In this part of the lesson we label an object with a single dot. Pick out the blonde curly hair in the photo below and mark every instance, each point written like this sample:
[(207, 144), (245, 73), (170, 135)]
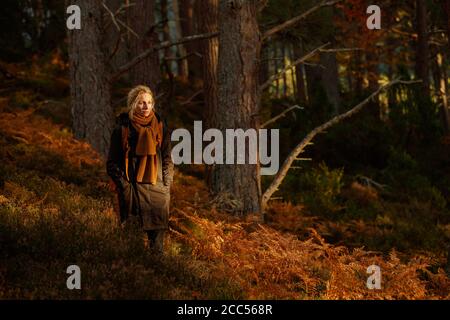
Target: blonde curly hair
[(133, 97)]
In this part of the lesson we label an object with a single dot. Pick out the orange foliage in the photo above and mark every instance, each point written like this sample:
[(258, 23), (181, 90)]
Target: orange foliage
[(26, 127), (268, 263)]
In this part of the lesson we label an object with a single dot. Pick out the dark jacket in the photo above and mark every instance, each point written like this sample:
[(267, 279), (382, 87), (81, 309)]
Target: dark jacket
[(149, 202)]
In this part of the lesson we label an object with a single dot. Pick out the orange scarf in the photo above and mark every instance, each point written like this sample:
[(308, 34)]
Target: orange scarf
[(149, 138)]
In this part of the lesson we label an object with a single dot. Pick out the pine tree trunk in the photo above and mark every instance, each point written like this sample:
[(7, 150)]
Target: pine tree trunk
[(422, 47), (142, 19), (372, 70), (183, 69), (89, 86), (299, 71), (283, 54), (166, 33), (238, 98), (294, 81), (207, 12), (117, 48), (277, 69), (446, 8), (188, 29), (330, 79), (441, 86), (264, 66)]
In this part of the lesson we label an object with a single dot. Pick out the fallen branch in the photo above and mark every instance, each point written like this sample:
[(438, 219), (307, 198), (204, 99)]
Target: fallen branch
[(166, 44), (301, 146), (282, 114), (293, 64), (295, 20)]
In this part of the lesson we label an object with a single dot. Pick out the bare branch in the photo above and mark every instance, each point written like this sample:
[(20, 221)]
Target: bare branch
[(162, 45), (183, 57), (189, 100), (295, 20), (298, 61), (113, 16), (124, 6), (301, 146), (128, 28), (116, 47), (282, 114), (341, 49)]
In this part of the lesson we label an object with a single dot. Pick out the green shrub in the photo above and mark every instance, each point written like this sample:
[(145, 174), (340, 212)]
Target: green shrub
[(320, 189), (22, 99)]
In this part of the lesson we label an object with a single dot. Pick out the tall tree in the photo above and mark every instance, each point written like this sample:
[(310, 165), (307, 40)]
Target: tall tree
[(238, 99), (422, 50), (446, 7), (116, 37), (441, 88), (299, 72), (330, 79), (183, 69), (188, 27), (207, 12), (90, 90), (142, 23)]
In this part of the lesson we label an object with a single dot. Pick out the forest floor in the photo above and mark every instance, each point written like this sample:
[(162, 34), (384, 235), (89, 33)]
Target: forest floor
[(58, 208)]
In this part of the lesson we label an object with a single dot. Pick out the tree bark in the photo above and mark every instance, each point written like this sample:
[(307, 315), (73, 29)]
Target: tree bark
[(299, 71), (422, 47), (89, 86), (188, 28), (116, 42), (372, 74), (238, 98), (283, 55), (142, 19), (276, 61), (330, 79), (441, 87), (166, 32), (183, 69), (207, 12)]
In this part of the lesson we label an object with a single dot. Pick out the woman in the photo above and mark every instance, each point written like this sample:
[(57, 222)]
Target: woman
[(140, 164)]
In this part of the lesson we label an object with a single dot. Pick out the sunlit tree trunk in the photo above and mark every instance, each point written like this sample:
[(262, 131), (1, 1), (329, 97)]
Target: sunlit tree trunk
[(299, 72), (238, 99), (441, 87)]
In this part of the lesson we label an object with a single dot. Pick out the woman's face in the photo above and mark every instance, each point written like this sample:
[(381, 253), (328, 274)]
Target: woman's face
[(144, 104)]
